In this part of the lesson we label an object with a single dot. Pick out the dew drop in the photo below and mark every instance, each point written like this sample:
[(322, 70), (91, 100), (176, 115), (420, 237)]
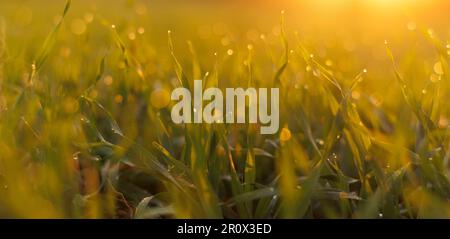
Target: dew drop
[(435, 78), (78, 26), (132, 36), (356, 95), (411, 26), (316, 73), (438, 68)]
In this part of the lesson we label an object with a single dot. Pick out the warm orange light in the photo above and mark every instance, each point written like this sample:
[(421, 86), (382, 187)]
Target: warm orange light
[(344, 3)]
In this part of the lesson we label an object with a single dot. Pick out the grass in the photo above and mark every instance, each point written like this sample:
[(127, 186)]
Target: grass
[(85, 127)]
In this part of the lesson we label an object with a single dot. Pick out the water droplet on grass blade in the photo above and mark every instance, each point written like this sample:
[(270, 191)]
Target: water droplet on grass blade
[(435, 78), (118, 98), (160, 98), (285, 134), (320, 141), (438, 68), (443, 122), (430, 32), (316, 73), (132, 36), (88, 17), (356, 95), (108, 80), (411, 26)]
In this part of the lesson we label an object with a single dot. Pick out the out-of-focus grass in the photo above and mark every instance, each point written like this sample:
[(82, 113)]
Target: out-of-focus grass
[(85, 128)]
